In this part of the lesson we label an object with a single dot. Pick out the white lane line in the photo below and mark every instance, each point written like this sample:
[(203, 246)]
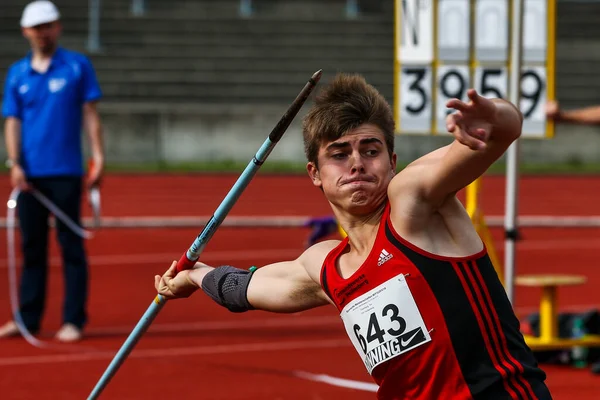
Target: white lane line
[(295, 221), (292, 253), (178, 351), (166, 258), (340, 382), (298, 320)]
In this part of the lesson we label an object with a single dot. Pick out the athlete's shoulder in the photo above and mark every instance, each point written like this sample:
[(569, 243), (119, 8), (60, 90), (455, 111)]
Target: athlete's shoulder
[(315, 255), (321, 249)]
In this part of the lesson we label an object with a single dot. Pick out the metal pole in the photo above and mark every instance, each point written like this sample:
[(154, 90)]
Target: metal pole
[(246, 8), (138, 8), (93, 44), (512, 160), (352, 9)]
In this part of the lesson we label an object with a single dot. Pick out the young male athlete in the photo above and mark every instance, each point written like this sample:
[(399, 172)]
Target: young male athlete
[(416, 290)]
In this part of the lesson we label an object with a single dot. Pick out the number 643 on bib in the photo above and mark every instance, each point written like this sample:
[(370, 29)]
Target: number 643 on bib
[(384, 323)]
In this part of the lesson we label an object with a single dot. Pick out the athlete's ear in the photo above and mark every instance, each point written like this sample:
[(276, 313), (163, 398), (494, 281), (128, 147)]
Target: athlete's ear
[(313, 172), (393, 162)]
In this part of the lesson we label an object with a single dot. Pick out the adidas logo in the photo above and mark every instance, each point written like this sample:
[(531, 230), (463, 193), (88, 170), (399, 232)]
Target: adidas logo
[(384, 256)]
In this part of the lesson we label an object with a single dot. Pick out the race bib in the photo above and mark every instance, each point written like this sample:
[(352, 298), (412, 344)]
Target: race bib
[(384, 323)]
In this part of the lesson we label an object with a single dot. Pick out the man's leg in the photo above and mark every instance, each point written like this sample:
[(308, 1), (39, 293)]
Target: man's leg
[(33, 223), (66, 193)]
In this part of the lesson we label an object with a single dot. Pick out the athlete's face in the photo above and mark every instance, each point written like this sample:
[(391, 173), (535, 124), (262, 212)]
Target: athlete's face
[(355, 170)]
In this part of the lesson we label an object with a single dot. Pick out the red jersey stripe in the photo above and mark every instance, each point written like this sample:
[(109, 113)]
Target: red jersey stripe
[(502, 338), (501, 368)]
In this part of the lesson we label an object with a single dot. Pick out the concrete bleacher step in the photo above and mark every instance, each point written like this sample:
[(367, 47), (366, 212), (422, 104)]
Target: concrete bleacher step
[(222, 91), (577, 73), (184, 39), (580, 50), (279, 9), (154, 63), (165, 8), (577, 20), (577, 53), (236, 52), (306, 9), (210, 52), (201, 93), (259, 39), (196, 25), (225, 77), (187, 64), (206, 93)]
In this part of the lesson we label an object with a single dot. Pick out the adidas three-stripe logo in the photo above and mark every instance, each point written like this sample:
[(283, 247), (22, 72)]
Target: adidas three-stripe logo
[(384, 256)]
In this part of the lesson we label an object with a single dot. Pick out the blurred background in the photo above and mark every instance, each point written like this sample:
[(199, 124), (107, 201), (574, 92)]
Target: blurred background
[(196, 81), (192, 82), (196, 86)]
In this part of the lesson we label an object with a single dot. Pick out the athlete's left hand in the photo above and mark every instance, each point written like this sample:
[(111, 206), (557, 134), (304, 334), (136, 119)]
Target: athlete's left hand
[(472, 122)]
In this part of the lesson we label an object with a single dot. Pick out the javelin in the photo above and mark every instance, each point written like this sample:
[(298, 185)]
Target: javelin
[(190, 257)]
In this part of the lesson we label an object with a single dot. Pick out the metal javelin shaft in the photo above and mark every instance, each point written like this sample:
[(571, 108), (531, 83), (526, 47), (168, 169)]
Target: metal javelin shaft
[(189, 258)]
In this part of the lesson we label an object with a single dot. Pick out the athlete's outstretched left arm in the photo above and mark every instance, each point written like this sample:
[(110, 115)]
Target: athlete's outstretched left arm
[(483, 129)]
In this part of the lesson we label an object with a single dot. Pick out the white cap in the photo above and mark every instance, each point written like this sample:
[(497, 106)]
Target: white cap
[(39, 12)]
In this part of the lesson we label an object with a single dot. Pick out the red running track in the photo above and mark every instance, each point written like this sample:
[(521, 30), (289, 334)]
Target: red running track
[(196, 350)]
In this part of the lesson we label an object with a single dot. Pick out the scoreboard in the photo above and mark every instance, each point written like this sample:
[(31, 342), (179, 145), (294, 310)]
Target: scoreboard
[(444, 47)]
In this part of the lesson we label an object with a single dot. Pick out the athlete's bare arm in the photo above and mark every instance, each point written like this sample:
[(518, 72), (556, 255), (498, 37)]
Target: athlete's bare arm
[(291, 286), (282, 287), (483, 129), (425, 209), (586, 116)]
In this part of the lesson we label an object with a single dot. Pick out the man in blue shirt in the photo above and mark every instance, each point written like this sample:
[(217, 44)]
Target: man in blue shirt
[(48, 96)]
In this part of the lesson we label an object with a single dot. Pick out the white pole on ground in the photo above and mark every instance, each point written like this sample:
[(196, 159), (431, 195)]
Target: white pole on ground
[(512, 156)]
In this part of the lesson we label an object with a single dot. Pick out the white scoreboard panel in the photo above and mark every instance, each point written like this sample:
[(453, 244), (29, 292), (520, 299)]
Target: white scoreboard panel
[(444, 47)]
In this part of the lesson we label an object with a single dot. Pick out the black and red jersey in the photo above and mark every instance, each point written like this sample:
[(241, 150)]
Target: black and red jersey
[(432, 327)]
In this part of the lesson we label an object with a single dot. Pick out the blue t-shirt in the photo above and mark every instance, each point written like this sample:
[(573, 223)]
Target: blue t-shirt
[(50, 107)]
